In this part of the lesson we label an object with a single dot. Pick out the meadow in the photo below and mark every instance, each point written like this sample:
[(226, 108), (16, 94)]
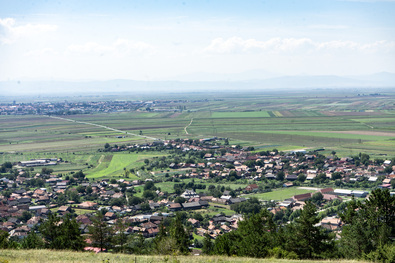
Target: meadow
[(40, 256), (280, 194)]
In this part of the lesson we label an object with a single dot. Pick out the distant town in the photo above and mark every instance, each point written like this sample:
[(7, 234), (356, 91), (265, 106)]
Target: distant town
[(72, 108)]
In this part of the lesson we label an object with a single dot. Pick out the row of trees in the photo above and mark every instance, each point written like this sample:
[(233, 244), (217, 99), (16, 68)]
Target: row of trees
[(64, 234), (259, 236), (368, 233)]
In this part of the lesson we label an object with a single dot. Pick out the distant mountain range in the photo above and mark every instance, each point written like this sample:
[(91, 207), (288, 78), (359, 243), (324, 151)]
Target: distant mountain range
[(200, 82)]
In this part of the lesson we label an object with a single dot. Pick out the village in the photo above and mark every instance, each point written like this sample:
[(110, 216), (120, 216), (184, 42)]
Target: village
[(27, 198), (71, 107)]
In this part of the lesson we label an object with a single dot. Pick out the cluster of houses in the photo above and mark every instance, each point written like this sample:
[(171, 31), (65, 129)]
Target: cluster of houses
[(68, 107), (268, 166), (24, 207)]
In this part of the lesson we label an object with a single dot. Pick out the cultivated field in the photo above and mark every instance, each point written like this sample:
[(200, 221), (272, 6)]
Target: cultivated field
[(344, 122)]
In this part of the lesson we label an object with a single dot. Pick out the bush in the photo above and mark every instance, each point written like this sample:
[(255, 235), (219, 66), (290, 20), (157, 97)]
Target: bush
[(278, 252), (385, 254)]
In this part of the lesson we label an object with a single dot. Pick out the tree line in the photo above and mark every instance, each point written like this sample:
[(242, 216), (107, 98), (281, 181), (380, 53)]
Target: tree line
[(368, 232)]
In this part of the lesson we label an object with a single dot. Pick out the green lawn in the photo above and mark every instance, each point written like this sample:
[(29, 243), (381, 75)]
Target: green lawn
[(280, 194), (114, 166), (333, 135)]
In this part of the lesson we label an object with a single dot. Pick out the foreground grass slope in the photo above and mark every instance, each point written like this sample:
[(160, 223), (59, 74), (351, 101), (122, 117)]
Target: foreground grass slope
[(19, 256)]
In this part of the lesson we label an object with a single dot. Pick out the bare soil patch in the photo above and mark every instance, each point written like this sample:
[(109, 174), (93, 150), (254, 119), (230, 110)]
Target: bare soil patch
[(287, 113)]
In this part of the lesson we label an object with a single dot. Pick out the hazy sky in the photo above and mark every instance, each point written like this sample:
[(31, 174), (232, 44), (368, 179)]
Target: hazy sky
[(156, 40)]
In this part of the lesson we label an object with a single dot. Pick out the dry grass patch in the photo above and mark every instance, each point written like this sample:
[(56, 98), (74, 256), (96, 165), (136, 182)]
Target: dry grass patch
[(40, 256)]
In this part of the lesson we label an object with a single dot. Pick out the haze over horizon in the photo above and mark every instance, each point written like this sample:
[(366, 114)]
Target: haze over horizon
[(194, 40)]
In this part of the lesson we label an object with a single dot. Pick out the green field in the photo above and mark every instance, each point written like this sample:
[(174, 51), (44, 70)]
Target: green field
[(280, 194), (113, 165), (246, 114), (336, 121), (338, 135)]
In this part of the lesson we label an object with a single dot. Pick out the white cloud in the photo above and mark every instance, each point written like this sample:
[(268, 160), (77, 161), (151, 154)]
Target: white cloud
[(10, 32), (118, 47), (239, 45), (281, 45), (41, 52)]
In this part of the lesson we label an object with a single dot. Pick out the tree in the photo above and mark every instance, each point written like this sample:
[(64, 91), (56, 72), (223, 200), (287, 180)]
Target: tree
[(388, 169), (336, 176), (81, 189), (254, 237), (368, 226), (79, 175), (280, 176), (61, 200), (4, 239), (364, 158), (26, 215), (134, 200), (100, 232), (89, 189), (62, 235), (70, 234), (320, 178), (46, 170), (149, 185), (257, 234), (179, 200), (7, 165), (149, 195), (164, 243), (207, 244), (317, 198), (51, 232), (250, 206), (118, 201), (305, 238), (137, 244), (32, 241), (301, 177), (120, 237), (181, 236)]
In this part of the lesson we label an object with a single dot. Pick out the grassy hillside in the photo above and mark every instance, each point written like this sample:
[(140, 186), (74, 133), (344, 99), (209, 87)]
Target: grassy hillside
[(39, 256)]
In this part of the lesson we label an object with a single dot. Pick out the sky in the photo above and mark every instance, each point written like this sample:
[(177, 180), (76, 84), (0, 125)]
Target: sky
[(170, 39)]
